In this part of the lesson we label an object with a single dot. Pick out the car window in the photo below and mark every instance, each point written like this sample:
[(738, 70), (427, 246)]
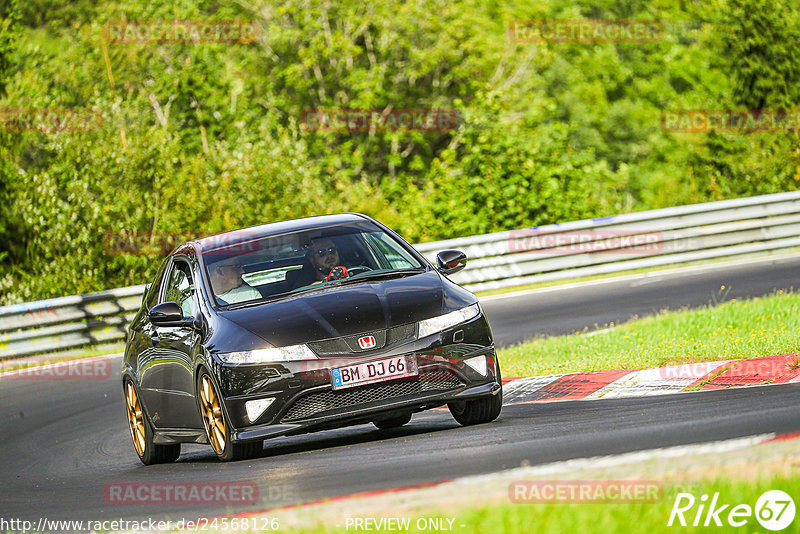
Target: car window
[(180, 288), (155, 288), (391, 251), (270, 266)]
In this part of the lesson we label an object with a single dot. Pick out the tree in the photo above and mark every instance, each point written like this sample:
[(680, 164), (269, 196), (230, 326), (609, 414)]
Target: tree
[(9, 34), (761, 41)]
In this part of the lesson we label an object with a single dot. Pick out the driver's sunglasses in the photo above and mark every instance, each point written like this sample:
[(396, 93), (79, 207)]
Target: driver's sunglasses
[(325, 251)]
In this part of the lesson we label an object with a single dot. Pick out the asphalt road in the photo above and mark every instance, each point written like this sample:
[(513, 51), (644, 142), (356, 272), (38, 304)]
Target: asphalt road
[(63, 442), (565, 310)]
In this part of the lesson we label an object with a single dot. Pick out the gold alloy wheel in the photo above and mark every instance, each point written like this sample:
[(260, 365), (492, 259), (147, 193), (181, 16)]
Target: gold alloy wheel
[(212, 415), (135, 418)]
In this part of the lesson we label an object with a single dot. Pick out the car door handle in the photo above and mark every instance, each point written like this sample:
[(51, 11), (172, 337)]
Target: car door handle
[(154, 339)]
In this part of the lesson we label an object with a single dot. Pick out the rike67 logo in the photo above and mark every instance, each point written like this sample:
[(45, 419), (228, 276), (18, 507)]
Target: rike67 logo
[(774, 510)]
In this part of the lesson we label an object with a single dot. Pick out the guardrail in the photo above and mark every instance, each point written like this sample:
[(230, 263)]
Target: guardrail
[(67, 322), (685, 234)]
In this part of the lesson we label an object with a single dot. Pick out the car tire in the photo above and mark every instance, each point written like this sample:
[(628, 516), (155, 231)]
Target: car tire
[(149, 453), (216, 423), (483, 410), (393, 422)]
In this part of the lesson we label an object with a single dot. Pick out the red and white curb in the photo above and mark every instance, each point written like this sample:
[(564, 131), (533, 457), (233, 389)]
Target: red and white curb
[(659, 381)]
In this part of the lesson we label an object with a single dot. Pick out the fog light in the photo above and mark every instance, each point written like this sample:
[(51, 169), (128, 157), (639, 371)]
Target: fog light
[(256, 407), (478, 363)]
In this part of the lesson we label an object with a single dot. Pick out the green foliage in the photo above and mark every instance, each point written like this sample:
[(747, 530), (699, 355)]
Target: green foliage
[(758, 46), (761, 44), (9, 34), (9, 231), (203, 138)]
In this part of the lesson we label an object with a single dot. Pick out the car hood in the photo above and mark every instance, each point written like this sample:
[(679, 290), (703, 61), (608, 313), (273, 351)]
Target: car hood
[(343, 311)]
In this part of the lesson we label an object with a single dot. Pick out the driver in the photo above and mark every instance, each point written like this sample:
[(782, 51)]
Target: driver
[(324, 256), (227, 282)]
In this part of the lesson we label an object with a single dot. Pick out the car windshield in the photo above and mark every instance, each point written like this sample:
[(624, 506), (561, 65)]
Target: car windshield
[(247, 269)]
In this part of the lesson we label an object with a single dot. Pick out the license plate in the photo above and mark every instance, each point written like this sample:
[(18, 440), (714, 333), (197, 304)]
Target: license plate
[(375, 371)]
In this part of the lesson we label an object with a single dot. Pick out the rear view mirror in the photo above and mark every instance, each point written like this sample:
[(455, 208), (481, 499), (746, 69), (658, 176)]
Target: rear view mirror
[(450, 261)]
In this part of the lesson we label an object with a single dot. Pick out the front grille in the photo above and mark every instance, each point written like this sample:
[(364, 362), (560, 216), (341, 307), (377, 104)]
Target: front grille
[(349, 344), (324, 401)]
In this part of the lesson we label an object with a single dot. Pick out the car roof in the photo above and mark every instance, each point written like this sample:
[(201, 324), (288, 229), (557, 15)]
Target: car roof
[(213, 242)]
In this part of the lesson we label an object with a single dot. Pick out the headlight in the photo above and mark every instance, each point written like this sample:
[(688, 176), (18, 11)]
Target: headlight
[(281, 354), (448, 320)]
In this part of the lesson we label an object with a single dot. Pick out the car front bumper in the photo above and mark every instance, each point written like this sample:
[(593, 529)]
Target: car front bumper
[(364, 413), (305, 401)]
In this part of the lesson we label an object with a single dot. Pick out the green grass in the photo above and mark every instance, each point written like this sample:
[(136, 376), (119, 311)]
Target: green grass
[(624, 518), (609, 518), (729, 330)]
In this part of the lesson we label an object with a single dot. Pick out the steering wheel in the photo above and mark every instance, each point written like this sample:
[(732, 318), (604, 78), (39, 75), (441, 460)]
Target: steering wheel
[(358, 269)]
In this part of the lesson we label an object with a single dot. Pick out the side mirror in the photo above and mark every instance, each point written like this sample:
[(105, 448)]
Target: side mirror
[(166, 313), (450, 261)]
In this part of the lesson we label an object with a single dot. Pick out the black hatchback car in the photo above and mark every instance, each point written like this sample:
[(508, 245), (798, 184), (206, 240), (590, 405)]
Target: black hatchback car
[(301, 326)]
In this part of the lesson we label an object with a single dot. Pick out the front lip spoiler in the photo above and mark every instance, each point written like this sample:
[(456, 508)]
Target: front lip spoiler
[(478, 391), (281, 429), (179, 435)]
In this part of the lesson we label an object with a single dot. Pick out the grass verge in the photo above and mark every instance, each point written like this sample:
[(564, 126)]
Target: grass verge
[(611, 517), (738, 474), (620, 517), (616, 517), (735, 329)]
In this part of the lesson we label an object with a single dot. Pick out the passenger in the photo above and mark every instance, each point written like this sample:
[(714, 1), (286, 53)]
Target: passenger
[(227, 282)]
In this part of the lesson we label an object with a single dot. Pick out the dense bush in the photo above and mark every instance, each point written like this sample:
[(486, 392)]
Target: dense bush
[(203, 138)]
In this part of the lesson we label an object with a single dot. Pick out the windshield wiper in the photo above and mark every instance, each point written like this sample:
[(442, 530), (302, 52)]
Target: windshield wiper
[(272, 298), (376, 275), (369, 275)]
